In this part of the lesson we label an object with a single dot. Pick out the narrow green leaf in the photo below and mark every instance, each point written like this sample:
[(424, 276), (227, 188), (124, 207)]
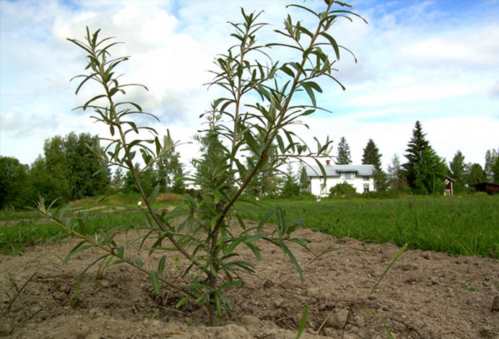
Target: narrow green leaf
[(182, 302), (287, 70), (156, 285), (161, 264), (92, 100), (303, 322), (314, 86), (310, 93), (250, 140), (280, 143), (88, 77), (78, 248), (291, 257), (333, 43), (81, 45), (304, 8)]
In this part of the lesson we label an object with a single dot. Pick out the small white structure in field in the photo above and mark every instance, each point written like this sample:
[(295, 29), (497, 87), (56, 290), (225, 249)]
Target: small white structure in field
[(361, 177)]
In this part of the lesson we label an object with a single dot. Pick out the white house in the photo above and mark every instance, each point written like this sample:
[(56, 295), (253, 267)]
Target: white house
[(361, 177)]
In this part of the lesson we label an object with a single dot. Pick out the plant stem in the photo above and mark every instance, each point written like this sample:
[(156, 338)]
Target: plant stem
[(136, 176), (271, 134), (111, 252)]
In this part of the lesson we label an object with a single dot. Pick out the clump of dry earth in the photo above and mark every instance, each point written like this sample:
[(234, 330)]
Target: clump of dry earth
[(425, 295)]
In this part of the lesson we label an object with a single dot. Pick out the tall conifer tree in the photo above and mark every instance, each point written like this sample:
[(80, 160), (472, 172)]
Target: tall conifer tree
[(396, 179), (170, 171), (343, 157), (304, 181), (457, 171), (372, 156), (490, 158), (424, 169)]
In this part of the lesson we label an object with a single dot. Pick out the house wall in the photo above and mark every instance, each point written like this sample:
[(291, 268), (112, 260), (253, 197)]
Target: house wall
[(356, 182)]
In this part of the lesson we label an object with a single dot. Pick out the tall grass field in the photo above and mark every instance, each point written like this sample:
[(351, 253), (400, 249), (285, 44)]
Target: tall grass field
[(460, 225)]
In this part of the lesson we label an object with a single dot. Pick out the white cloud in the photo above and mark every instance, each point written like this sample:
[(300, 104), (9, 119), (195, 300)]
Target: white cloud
[(409, 68), (495, 90), (456, 48)]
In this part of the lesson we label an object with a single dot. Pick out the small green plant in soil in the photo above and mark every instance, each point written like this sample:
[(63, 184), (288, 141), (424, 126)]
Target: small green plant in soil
[(260, 109)]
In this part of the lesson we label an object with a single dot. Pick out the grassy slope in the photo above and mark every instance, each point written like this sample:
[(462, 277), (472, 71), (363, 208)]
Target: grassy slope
[(467, 225)]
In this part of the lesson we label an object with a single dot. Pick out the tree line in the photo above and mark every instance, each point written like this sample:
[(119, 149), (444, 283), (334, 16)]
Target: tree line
[(71, 168), (424, 170)]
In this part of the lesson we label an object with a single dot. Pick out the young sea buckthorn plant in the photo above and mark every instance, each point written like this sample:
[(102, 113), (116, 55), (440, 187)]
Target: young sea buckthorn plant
[(258, 114)]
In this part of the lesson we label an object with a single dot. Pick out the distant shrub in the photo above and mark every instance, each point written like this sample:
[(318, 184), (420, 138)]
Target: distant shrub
[(306, 196), (342, 190)]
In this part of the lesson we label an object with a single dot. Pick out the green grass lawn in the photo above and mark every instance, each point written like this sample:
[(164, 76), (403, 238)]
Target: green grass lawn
[(464, 225), (15, 237), (19, 229)]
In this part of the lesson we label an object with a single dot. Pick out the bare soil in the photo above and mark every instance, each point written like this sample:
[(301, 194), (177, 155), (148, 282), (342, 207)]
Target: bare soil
[(424, 295)]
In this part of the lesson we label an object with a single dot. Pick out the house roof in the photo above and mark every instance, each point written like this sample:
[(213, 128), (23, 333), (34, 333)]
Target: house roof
[(335, 170)]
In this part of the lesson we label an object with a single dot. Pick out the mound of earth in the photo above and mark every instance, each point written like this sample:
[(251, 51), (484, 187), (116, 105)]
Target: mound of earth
[(424, 295)]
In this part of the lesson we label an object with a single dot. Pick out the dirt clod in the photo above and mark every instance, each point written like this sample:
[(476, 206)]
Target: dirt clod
[(487, 332), (6, 328), (495, 304), (338, 319)]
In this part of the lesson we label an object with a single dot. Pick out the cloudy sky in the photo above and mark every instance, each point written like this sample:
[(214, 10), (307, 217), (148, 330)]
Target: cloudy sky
[(434, 61)]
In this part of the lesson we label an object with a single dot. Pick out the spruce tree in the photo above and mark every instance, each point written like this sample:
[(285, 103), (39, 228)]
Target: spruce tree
[(178, 178), (495, 171), (457, 172), (396, 179), (213, 174), (372, 156), (343, 157), (266, 182), (424, 169), (290, 187), (304, 181), (169, 168), (490, 158), (212, 168)]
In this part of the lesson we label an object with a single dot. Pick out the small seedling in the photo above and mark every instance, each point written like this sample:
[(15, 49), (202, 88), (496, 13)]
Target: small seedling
[(16, 290)]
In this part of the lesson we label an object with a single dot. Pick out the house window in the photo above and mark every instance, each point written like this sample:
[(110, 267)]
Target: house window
[(366, 188), (366, 178), (347, 175)]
